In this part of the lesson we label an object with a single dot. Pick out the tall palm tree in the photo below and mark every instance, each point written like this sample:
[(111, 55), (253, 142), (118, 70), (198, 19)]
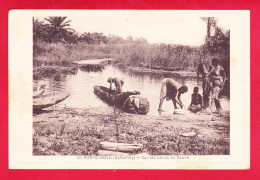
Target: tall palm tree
[(59, 28), (211, 23), (40, 31)]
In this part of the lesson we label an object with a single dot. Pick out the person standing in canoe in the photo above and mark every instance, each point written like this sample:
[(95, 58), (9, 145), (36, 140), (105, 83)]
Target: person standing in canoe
[(217, 80), (118, 84), (171, 90)]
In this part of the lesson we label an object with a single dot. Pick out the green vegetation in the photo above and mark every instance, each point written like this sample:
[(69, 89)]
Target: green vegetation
[(50, 71), (57, 44), (60, 54)]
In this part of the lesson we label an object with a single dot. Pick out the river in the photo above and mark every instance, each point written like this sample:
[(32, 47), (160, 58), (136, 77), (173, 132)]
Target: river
[(80, 86)]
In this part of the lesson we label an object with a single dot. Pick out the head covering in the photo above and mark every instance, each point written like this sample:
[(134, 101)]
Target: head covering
[(184, 88), (196, 89), (215, 61)]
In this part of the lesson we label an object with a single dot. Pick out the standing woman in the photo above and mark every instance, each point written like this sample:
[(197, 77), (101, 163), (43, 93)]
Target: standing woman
[(217, 80), (202, 70)]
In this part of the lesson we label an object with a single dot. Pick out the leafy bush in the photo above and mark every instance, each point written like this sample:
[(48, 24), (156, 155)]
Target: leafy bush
[(57, 44)]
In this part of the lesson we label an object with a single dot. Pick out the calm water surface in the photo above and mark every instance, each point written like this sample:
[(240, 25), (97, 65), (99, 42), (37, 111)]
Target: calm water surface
[(80, 87)]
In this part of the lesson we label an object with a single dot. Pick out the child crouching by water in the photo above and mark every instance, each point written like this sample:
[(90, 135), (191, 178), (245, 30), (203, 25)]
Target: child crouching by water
[(196, 101)]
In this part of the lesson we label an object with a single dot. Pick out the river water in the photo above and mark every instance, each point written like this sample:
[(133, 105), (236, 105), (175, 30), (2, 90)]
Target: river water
[(80, 87)]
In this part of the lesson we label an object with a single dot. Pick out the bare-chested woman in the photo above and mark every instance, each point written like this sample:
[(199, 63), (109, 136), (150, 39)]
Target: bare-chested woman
[(171, 90), (217, 79), (202, 70)]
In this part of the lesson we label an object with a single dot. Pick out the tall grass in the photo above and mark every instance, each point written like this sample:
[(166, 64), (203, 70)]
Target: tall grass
[(144, 54), (128, 53), (64, 54)]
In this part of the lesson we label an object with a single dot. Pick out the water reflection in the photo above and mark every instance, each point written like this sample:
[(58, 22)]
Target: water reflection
[(80, 86)]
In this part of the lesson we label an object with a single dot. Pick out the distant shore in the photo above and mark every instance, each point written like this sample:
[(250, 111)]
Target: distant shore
[(52, 71), (177, 74)]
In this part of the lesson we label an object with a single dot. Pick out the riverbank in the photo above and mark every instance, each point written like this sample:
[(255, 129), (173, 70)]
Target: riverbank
[(74, 131), (52, 71), (58, 72), (177, 74)]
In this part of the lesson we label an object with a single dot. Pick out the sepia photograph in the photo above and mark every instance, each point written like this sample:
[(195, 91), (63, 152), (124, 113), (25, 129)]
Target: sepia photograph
[(144, 85), (129, 89)]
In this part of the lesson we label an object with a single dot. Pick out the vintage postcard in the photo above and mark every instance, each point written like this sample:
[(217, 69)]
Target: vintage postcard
[(129, 89)]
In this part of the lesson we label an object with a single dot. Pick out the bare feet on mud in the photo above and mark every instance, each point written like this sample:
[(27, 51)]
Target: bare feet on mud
[(160, 111), (218, 111)]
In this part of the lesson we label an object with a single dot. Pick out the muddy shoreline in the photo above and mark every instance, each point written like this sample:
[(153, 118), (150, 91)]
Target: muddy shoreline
[(62, 130)]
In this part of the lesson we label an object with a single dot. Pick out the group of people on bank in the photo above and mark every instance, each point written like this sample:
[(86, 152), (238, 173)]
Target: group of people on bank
[(212, 83)]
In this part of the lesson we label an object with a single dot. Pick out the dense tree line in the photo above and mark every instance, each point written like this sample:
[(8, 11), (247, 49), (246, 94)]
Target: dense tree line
[(56, 29), (134, 52)]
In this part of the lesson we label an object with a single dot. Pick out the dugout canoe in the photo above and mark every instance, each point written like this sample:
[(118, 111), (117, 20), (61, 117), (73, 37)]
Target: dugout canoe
[(110, 97), (38, 90), (48, 100), (121, 147), (38, 93)]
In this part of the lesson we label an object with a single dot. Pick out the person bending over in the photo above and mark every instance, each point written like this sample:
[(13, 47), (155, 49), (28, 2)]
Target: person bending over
[(118, 84), (171, 90)]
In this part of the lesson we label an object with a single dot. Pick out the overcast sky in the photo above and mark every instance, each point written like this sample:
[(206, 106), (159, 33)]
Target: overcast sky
[(155, 26)]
